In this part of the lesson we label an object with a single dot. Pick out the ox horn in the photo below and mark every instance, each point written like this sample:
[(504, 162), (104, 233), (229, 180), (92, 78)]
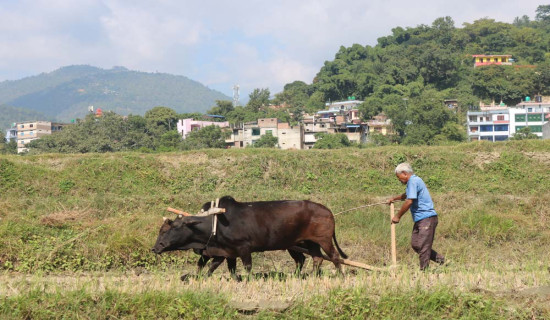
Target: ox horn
[(179, 212), (164, 218)]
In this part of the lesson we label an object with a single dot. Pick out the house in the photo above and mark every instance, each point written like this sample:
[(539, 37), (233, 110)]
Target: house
[(32, 130), (339, 117), (380, 124), (491, 123), (500, 122), (529, 113), (490, 59), (290, 137), (11, 133), (246, 134), (313, 125), (185, 126)]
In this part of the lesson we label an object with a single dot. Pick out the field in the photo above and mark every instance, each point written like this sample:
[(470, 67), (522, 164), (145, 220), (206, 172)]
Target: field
[(77, 232)]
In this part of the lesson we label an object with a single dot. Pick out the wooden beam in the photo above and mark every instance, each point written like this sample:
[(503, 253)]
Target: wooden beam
[(343, 261), (393, 246), (176, 211)]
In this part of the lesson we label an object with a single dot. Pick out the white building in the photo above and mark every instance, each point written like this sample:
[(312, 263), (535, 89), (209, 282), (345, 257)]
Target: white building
[(499, 122), (185, 126), (288, 137), (532, 114), (491, 123), (11, 133)]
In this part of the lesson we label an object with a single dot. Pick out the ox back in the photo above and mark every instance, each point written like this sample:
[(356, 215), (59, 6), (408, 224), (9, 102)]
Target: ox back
[(273, 225)]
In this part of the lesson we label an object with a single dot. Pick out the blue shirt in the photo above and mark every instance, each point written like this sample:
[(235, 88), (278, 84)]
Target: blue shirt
[(422, 206)]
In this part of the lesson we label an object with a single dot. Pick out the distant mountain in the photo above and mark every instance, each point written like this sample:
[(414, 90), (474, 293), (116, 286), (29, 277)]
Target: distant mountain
[(9, 115), (66, 93)]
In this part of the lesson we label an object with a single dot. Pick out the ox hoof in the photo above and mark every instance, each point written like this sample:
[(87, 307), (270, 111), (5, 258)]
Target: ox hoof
[(237, 278), (185, 278)]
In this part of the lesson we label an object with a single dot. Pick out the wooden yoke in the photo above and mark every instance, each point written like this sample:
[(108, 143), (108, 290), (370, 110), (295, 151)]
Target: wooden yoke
[(176, 211), (214, 210)]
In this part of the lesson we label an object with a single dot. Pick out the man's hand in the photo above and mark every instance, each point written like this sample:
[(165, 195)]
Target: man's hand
[(390, 201), (395, 220)]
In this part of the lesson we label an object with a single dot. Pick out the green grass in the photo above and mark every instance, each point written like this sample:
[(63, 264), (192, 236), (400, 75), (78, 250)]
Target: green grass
[(98, 213)]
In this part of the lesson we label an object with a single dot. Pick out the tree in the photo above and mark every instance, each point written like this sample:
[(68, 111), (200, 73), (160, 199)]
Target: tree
[(8, 147), (266, 141), (543, 13), (379, 139), (160, 119), (331, 141), (222, 108), (170, 140), (454, 132), (109, 133), (258, 98), (524, 134), (207, 137), (524, 21)]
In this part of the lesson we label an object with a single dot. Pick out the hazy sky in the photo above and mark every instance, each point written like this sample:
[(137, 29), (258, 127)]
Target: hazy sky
[(256, 44)]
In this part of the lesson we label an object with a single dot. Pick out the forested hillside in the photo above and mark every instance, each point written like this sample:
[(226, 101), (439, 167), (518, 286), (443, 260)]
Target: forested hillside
[(409, 73), (9, 115), (66, 93)]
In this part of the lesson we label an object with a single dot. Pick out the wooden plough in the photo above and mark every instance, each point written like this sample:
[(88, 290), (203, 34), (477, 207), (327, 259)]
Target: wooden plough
[(215, 211)]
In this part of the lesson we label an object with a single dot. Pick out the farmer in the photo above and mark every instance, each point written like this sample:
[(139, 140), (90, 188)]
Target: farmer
[(417, 198)]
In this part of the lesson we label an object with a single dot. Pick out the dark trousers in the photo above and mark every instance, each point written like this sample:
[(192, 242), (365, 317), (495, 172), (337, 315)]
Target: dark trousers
[(422, 240)]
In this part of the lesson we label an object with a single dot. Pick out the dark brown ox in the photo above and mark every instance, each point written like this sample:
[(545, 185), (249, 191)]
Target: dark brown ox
[(248, 227)]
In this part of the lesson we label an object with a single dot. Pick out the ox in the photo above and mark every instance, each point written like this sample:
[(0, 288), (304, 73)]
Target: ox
[(248, 227)]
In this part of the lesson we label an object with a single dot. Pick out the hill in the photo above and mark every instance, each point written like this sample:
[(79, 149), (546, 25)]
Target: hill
[(66, 93), (65, 215), (9, 115), (409, 74)]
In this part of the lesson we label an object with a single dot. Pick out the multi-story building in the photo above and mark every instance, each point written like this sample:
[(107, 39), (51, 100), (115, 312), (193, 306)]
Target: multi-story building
[(380, 124), (290, 137), (184, 126), (529, 113), (340, 117), (499, 122), (491, 123), (313, 125), (32, 130), (243, 135)]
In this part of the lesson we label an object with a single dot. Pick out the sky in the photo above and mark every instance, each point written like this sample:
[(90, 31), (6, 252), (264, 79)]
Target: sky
[(252, 43)]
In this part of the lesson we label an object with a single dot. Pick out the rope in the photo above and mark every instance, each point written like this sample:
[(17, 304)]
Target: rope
[(367, 205)]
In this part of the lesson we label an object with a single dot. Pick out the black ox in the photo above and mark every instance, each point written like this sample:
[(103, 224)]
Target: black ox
[(248, 227)]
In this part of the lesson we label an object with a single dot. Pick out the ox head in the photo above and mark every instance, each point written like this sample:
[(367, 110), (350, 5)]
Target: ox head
[(177, 235)]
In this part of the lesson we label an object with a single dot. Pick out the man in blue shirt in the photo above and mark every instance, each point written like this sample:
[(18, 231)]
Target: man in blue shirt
[(418, 200)]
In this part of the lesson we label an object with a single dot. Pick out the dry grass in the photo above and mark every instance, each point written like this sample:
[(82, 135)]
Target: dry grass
[(289, 289)]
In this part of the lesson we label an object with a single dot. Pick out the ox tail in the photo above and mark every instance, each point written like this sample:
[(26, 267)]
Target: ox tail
[(345, 256)]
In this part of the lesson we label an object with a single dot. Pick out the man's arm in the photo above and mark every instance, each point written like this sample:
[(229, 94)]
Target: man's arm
[(404, 208), (399, 197)]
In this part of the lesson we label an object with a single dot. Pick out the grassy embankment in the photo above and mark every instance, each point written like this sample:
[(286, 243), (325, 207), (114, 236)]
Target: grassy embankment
[(77, 231)]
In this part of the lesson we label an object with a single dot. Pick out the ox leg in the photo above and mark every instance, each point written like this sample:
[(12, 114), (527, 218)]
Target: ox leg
[(299, 258), (202, 262), (247, 263), (200, 265), (215, 264), (329, 248), (315, 251), (232, 266)]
